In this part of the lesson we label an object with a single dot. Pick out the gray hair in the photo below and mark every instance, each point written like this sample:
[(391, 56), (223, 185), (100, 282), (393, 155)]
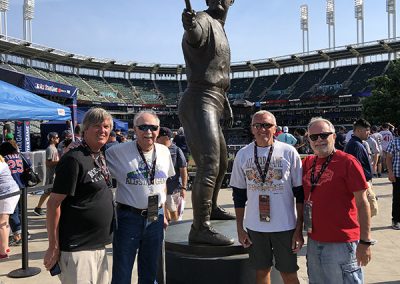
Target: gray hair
[(262, 112), (141, 113), (95, 116), (320, 119)]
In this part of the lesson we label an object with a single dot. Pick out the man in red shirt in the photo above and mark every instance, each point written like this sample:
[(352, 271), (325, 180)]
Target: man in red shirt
[(337, 213)]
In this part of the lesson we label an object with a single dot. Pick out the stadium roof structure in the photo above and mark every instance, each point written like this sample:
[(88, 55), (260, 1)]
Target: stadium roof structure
[(21, 48)]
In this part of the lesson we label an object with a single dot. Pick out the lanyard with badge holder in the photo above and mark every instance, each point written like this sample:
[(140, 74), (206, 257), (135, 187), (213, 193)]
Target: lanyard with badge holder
[(264, 205), (308, 204), (100, 162), (152, 201)]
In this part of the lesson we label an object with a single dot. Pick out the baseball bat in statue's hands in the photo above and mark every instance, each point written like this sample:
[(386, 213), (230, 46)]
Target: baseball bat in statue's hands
[(188, 17)]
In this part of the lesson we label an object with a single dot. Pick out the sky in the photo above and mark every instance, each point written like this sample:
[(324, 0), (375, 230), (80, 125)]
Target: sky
[(150, 31)]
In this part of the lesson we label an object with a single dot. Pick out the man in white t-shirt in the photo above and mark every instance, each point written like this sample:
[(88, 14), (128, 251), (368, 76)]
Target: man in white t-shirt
[(141, 169), (378, 138), (266, 179)]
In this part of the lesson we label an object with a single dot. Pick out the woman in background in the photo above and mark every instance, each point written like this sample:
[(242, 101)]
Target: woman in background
[(7, 205)]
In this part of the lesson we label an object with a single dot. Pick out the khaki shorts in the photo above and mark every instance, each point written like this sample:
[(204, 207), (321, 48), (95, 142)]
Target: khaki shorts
[(267, 246), (88, 266)]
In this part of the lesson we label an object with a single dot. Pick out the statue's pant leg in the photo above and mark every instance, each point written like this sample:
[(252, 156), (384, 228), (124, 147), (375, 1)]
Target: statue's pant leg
[(200, 113)]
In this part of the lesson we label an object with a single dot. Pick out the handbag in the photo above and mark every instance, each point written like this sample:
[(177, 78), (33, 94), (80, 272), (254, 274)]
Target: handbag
[(29, 177)]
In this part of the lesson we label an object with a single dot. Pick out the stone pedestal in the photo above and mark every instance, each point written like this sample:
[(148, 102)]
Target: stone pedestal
[(207, 264)]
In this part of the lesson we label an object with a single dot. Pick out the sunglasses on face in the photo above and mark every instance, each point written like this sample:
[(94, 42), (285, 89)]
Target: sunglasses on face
[(262, 125), (324, 136), (146, 127)]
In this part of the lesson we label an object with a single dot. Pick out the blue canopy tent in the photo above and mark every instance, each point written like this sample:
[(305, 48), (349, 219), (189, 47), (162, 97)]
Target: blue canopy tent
[(18, 104)]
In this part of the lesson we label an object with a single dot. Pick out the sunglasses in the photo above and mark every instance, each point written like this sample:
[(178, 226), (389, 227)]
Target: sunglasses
[(145, 127), (262, 125), (324, 136)]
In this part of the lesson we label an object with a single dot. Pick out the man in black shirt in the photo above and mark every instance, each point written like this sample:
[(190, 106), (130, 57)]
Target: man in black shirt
[(80, 207)]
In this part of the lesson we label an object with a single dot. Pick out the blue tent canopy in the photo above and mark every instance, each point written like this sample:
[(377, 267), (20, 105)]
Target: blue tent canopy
[(18, 104)]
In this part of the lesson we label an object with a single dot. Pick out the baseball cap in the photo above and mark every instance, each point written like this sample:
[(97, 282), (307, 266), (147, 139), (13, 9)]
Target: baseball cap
[(9, 136), (285, 129), (165, 131)]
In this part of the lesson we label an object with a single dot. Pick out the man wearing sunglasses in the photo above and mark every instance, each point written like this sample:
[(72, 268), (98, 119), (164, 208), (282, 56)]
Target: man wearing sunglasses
[(266, 180), (336, 210), (202, 106), (141, 169)]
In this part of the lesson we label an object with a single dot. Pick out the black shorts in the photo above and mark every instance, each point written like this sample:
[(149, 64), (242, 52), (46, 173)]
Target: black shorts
[(267, 246)]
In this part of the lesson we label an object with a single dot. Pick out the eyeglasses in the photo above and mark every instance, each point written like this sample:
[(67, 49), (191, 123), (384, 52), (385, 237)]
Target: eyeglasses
[(324, 136), (145, 127), (262, 125)]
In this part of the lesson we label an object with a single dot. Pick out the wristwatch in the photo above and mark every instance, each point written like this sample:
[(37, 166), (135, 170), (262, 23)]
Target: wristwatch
[(368, 243)]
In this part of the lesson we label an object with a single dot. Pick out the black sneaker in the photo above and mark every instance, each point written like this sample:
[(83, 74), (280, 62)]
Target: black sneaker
[(38, 211)]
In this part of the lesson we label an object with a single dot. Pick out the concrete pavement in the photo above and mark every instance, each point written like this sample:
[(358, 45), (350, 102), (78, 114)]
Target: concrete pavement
[(384, 267)]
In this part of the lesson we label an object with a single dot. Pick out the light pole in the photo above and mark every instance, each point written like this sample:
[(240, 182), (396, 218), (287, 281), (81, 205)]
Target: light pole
[(4, 4), (304, 27), (28, 12), (330, 21), (359, 15), (391, 10)]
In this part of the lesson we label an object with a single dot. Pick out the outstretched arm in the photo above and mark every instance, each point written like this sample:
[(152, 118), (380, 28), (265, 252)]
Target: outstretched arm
[(193, 30)]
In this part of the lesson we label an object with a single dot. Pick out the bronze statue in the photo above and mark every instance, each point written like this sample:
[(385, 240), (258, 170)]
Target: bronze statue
[(202, 106)]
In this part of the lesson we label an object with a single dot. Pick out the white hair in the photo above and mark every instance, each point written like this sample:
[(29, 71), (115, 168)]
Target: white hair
[(320, 119), (263, 112), (141, 113)]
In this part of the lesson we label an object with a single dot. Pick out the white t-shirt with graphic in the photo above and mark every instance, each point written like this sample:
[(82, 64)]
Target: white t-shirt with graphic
[(128, 168), (285, 172)]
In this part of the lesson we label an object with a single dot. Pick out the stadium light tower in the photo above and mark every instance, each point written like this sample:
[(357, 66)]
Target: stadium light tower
[(330, 20), (359, 15), (29, 9), (391, 10), (304, 27), (4, 4)]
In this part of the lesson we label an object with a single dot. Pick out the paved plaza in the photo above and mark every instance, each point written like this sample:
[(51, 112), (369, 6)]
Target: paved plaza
[(384, 268)]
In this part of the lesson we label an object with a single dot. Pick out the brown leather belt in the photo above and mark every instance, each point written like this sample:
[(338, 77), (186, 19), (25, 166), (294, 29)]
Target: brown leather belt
[(142, 212)]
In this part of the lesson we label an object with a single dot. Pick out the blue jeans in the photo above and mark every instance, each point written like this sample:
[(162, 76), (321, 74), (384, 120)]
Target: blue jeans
[(133, 233), (15, 221), (333, 263)]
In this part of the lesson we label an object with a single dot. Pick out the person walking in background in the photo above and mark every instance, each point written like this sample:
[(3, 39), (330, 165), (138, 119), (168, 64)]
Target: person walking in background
[(378, 138), (286, 137), (393, 166), (387, 137), (80, 208), (12, 157), (52, 158), (340, 140), (7, 205), (177, 184), (336, 210), (267, 175)]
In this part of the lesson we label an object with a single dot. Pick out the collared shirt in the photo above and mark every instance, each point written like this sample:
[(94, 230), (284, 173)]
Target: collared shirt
[(394, 149), (356, 148)]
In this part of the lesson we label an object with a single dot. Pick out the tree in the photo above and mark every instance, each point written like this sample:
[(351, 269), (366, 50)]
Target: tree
[(384, 103)]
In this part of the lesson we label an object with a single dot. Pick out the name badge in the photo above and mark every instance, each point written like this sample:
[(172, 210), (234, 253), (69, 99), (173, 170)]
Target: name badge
[(152, 208), (264, 208), (308, 216)]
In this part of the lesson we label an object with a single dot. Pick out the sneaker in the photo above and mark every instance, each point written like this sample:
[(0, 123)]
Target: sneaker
[(379, 175), (5, 256), (396, 225), (38, 211)]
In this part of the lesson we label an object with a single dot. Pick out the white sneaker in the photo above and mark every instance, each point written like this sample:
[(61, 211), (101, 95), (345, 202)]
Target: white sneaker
[(396, 225)]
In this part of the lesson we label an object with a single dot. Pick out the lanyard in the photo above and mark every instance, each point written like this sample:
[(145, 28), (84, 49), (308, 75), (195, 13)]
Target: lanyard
[(260, 171), (150, 172), (100, 162), (314, 180)]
